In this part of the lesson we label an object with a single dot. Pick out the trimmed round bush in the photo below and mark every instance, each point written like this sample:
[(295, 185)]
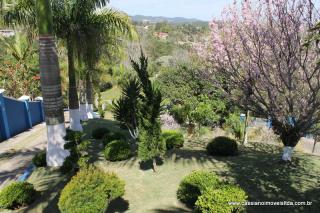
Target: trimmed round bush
[(17, 194), (39, 160), (173, 139), (99, 133), (117, 150), (216, 200), (112, 136), (90, 190), (194, 184), (222, 146)]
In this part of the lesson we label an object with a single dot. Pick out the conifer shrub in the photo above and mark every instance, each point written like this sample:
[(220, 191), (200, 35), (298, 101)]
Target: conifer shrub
[(90, 190), (16, 195), (194, 184), (98, 133), (173, 139), (222, 146), (117, 150), (218, 200), (39, 160)]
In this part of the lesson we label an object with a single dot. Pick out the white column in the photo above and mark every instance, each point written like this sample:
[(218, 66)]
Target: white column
[(90, 113), (75, 124), (56, 154), (83, 112)]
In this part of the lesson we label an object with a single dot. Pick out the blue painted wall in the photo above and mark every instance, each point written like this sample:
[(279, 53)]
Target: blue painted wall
[(18, 116), (35, 109)]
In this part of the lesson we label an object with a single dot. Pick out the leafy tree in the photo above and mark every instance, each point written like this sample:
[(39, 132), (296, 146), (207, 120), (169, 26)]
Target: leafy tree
[(102, 37), (259, 48), (208, 112), (192, 98)]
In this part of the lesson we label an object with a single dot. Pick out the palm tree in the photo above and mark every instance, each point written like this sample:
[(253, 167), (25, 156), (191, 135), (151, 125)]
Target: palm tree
[(101, 35), (51, 87)]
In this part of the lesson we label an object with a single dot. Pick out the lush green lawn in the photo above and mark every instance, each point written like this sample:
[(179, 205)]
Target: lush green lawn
[(256, 169), (111, 94)]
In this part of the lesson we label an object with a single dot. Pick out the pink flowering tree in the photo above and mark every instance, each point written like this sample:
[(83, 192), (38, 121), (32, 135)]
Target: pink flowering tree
[(257, 54)]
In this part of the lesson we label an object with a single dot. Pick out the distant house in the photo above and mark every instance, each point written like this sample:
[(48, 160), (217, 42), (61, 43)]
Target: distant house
[(7, 33), (161, 35)]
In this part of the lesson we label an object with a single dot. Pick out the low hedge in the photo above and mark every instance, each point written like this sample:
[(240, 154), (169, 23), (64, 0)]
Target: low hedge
[(117, 150), (222, 146), (99, 133), (16, 195), (90, 190), (173, 139), (39, 160), (194, 184), (217, 200), (112, 136)]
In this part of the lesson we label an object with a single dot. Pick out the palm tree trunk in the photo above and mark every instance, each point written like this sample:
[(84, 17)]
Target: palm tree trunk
[(74, 111), (83, 105), (51, 87), (89, 96)]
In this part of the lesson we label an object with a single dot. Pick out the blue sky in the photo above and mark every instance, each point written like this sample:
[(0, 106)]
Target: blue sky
[(200, 9)]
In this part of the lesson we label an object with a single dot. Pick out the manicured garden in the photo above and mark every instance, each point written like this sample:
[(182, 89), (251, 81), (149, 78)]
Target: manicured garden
[(256, 169), (162, 116)]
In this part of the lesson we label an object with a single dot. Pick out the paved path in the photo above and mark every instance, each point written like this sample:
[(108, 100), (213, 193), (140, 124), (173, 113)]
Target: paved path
[(17, 153)]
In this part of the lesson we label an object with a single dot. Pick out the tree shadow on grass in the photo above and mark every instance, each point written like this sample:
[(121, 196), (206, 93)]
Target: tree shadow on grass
[(49, 183), (171, 210), (19, 160), (148, 165), (258, 171), (264, 178), (118, 205)]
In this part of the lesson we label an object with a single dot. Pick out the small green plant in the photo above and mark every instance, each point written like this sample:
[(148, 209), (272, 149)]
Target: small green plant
[(39, 160), (117, 150), (16, 195), (234, 125), (78, 154), (217, 200), (73, 136), (99, 133), (222, 146), (100, 109), (194, 184), (90, 190), (173, 139), (112, 136)]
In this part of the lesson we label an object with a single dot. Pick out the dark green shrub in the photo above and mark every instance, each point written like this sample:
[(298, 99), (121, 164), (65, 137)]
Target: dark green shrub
[(222, 146), (73, 136), (16, 195), (68, 165), (194, 184), (104, 86), (117, 150), (99, 133), (217, 200), (173, 139), (90, 190), (39, 160), (112, 136)]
